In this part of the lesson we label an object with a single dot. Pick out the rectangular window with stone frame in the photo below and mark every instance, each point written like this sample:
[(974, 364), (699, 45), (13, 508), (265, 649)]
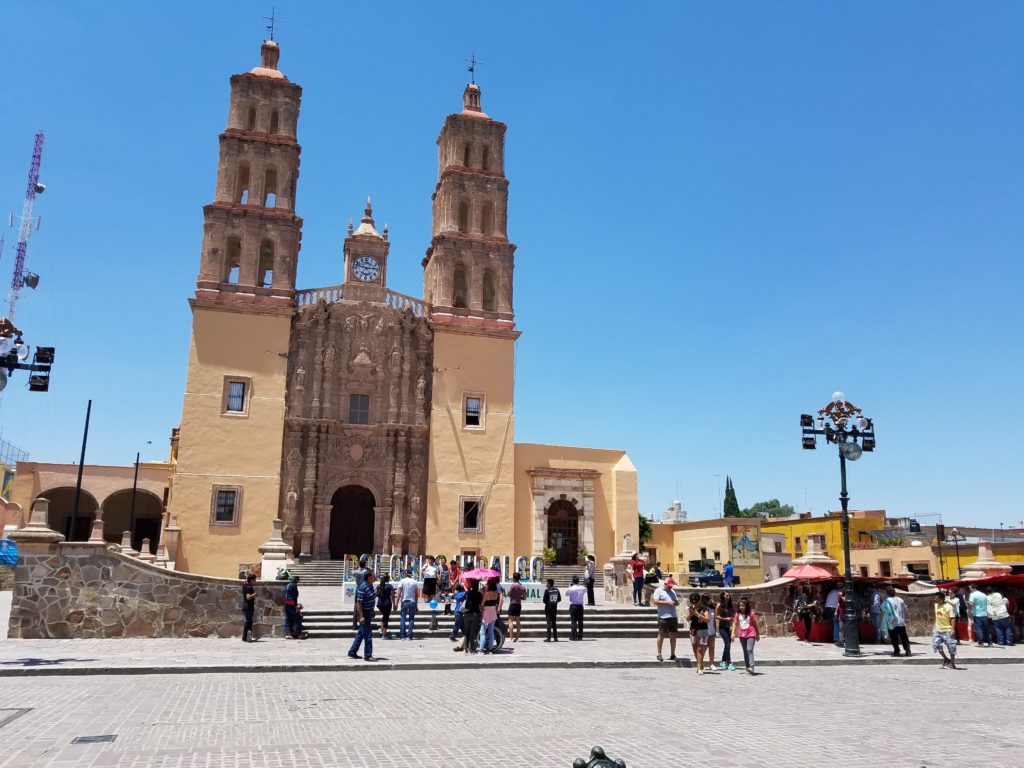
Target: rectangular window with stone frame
[(471, 514), (226, 505), (473, 410), (235, 400)]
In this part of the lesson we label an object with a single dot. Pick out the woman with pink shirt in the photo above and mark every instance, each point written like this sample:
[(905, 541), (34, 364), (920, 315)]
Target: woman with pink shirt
[(744, 628)]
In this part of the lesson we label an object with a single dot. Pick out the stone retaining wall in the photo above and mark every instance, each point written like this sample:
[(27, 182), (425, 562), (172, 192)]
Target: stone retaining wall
[(774, 607), (82, 590)]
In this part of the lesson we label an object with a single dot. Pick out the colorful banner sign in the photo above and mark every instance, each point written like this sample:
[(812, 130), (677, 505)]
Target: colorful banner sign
[(745, 546)]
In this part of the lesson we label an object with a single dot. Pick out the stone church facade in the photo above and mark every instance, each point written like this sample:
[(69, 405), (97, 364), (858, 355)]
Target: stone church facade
[(362, 419)]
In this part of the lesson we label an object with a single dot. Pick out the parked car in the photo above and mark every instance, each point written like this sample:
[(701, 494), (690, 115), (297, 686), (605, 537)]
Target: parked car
[(709, 577)]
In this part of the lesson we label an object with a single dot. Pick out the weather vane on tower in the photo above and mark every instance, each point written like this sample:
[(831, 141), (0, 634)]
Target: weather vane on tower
[(472, 67), (272, 18)]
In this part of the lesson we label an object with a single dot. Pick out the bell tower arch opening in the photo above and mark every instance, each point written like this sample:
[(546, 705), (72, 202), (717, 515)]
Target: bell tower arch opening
[(352, 522)]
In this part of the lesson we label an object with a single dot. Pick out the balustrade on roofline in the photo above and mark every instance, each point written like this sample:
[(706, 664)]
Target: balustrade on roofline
[(332, 293)]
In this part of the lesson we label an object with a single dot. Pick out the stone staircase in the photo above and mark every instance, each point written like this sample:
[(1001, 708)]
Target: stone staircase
[(562, 574), (616, 621), (321, 573)]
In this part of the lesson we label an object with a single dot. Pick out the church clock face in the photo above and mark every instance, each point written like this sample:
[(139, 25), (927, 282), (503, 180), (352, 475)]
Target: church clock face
[(366, 268)]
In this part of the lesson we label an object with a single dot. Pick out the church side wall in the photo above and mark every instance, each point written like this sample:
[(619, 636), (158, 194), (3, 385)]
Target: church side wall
[(217, 449), (88, 591), (471, 462)]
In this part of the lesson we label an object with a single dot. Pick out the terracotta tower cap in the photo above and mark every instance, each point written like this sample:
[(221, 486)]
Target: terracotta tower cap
[(366, 226), (269, 54), (471, 101)]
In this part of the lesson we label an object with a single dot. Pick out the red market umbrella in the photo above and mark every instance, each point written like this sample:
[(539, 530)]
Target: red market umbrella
[(479, 574), (809, 573)]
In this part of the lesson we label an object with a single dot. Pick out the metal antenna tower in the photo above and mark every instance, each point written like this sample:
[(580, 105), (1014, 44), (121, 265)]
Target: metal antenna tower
[(34, 187)]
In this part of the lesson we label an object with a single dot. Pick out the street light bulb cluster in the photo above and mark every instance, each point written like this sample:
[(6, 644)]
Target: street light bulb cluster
[(838, 397), (862, 423), (851, 451)]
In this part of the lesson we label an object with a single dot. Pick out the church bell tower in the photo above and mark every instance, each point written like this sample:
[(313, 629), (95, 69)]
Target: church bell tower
[(226, 484), (468, 283)]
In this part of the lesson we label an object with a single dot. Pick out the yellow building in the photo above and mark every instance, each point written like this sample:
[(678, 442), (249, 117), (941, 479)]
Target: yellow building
[(366, 420), (827, 531), (722, 540)]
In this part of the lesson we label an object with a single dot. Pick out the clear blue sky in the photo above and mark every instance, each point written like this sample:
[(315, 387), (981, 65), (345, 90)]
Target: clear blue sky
[(724, 212)]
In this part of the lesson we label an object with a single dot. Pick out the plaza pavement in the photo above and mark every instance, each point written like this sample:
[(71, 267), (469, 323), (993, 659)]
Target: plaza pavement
[(137, 656), (798, 717)]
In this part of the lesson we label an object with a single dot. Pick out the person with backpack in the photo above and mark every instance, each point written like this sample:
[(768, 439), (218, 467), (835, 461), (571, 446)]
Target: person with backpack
[(248, 607), (744, 625), (471, 608), (698, 618), (552, 597), (385, 604)]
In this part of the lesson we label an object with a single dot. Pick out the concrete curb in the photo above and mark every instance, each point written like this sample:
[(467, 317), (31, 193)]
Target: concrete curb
[(360, 666)]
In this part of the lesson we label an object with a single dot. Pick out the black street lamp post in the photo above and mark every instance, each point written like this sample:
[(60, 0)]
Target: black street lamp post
[(843, 424), (135, 485)]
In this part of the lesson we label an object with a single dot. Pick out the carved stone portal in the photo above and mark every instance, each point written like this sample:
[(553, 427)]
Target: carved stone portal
[(357, 413)]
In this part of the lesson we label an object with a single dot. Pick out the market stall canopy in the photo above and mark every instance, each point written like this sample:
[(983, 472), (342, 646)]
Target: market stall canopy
[(807, 572), (1007, 580)]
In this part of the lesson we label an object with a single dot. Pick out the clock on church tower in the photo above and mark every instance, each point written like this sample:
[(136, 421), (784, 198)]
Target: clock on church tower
[(366, 259)]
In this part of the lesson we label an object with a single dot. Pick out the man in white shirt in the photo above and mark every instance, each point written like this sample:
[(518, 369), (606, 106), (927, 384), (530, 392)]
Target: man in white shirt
[(576, 594), (665, 600), (895, 612), (408, 594), (997, 611)]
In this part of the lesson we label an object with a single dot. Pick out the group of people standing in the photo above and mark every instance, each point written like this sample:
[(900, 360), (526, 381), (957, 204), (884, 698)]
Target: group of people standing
[(709, 619)]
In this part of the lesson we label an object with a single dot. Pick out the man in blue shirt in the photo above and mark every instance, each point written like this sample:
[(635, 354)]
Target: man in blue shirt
[(365, 599), (727, 575)]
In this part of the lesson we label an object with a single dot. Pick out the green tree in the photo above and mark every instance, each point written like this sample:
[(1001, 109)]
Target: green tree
[(730, 507), (646, 534), (770, 508)]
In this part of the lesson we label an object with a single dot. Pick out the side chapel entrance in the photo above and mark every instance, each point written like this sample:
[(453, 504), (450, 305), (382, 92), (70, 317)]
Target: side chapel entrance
[(564, 532)]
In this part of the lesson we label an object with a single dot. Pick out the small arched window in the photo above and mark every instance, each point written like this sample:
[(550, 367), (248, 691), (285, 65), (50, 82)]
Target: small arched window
[(232, 260), (459, 288), (488, 292), (463, 216), (265, 273), (487, 219), (250, 123), (465, 155), (275, 120), (270, 188), (242, 186), (485, 162)]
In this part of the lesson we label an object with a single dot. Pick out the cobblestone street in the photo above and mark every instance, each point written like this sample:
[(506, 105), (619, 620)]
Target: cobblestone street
[(791, 716)]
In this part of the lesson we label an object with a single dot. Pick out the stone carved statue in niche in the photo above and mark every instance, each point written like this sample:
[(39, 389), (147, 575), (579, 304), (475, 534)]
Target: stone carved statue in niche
[(396, 359), (329, 359), (421, 388), (300, 378), (394, 394)]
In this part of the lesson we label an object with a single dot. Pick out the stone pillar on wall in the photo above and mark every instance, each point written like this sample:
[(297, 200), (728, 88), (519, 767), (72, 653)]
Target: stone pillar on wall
[(985, 565), (37, 533), (275, 552), (618, 579)]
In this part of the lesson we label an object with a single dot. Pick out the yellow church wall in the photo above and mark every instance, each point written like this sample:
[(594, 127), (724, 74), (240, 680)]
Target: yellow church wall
[(614, 501), (471, 461), (229, 449)]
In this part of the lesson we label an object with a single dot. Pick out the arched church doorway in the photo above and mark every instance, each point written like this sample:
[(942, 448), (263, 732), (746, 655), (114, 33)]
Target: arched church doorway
[(352, 519), (564, 532), (144, 524)]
